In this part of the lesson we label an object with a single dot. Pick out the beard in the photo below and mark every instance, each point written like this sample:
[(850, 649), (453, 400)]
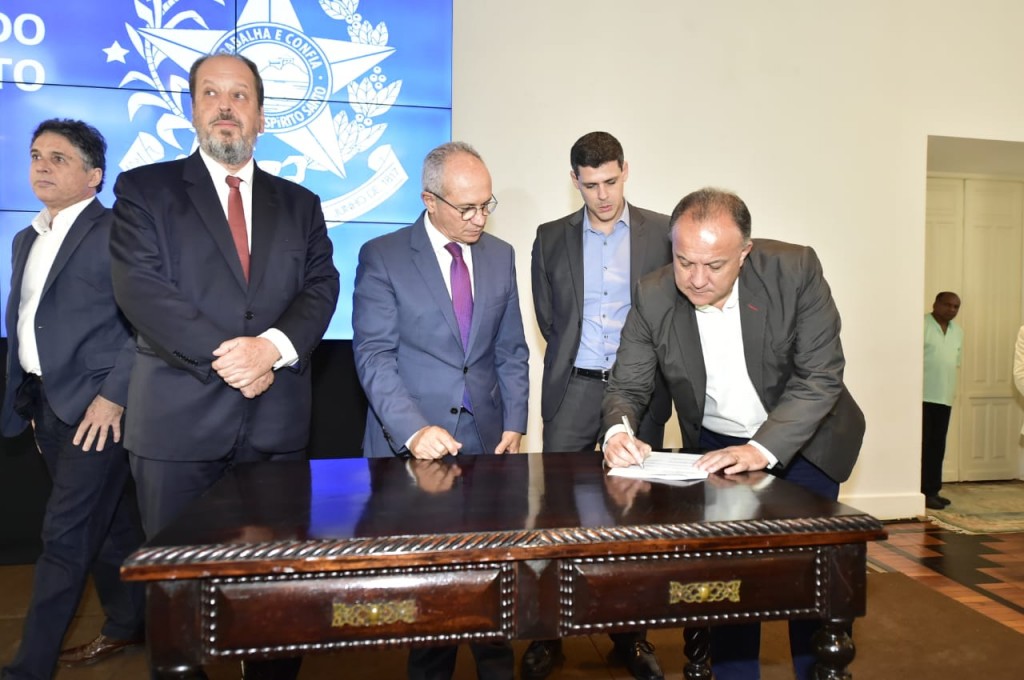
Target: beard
[(227, 151), (224, 149)]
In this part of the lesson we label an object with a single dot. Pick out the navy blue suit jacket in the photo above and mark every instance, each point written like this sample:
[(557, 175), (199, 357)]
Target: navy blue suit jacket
[(179, 281), (85, 343)]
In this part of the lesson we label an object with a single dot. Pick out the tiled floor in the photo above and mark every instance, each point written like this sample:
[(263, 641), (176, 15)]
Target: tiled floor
[(984, 571)]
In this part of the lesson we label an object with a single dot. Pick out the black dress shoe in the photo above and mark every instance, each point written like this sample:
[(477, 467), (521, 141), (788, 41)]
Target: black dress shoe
[(933, 503), (540, 658), (639, 659), (943, 500)]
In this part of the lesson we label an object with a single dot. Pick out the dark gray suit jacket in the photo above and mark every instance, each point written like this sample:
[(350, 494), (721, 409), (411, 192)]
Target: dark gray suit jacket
[(557, 272), (793, 353), (85, 343), (178, 279)]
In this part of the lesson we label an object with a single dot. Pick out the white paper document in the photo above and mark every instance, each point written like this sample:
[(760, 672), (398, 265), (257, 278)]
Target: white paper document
[(664, 465)]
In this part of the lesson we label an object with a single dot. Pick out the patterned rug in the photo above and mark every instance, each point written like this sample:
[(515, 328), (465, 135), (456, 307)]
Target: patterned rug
[(982, 507)]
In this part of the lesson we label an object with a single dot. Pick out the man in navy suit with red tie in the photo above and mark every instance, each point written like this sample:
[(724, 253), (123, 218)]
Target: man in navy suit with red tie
[(227, 274), (69, 356)]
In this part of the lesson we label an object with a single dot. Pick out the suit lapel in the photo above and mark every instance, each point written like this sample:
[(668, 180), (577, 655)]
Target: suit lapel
[(264, 226), (426, 264), (483, 285), (78, 231), (199, 186), (637, 240), (753, 319), (684, 324), (573, 235), (19, 260)]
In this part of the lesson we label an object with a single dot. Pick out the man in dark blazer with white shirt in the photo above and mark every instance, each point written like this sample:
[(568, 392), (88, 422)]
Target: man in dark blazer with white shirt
[(68, 361), (584, 268), (746, 333), (208, 387), (226, 273)]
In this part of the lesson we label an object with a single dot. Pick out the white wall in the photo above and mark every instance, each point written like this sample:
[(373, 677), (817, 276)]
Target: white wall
[(816, 112)]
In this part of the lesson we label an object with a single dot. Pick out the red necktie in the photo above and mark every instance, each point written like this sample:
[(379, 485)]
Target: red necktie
[(462, 301), (236, 220)]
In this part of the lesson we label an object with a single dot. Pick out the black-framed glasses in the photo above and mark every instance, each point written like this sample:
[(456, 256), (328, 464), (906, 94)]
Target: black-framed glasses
[(469, 212)]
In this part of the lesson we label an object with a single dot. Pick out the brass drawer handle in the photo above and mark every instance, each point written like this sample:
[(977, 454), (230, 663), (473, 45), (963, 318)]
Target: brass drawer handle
[(706, 591), (374, 613)]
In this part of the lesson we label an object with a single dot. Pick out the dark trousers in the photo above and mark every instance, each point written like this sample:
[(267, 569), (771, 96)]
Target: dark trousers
[(576, 425), (90, 525), (494, 661), (165, 487), (934, 426), (735, 648)]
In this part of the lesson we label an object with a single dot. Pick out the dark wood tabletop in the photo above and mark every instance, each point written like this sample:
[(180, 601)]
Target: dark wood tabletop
[(355, 512)]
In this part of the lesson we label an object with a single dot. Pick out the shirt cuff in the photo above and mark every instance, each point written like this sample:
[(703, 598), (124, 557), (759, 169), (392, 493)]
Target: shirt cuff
[(612, 431), (289, 357), (772, 460)]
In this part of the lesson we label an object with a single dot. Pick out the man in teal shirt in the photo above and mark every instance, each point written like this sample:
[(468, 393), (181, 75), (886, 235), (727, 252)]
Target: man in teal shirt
[(943, 344)]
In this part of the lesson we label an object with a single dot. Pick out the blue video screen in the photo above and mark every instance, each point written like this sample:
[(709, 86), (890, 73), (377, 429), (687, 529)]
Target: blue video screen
[(357, 92)]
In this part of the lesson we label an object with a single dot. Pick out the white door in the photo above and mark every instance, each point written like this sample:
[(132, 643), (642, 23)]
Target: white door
[(944, 270), (991, 299), (973, 247)]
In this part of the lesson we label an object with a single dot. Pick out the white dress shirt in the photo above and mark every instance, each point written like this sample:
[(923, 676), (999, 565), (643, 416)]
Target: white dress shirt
[(41, 255), (731, 405), (444, 259), (218, 173)]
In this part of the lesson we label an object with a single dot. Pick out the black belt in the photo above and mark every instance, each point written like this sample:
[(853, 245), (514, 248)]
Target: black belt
[(592, 373)]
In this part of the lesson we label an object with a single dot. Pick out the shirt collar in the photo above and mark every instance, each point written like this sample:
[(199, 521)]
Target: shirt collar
[(623, 219), (43, 223), (218, 172), (437, 240), (730, 302)]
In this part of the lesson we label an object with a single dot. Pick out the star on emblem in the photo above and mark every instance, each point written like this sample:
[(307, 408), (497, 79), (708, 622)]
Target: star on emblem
[(115, 52), (345, 61)]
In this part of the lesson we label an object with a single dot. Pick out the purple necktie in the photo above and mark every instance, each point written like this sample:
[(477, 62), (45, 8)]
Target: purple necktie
[(462, 301)]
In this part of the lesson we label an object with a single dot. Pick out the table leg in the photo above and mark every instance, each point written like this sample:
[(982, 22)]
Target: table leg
[(834, 650), (697, 648)]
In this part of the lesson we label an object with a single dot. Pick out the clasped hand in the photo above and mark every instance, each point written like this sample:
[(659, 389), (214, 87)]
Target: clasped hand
[(246, 363)]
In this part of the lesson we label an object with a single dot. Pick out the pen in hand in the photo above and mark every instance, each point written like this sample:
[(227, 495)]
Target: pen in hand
[(629, 432)]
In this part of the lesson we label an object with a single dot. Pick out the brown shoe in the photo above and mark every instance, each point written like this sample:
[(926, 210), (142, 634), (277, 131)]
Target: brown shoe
[(100, 648)]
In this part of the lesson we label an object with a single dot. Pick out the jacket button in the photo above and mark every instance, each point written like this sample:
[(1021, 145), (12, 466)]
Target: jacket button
[(465, 370), (454, 410), (249, 316)]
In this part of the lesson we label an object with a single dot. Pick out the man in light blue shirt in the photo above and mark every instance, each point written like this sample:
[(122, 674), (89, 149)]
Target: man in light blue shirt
[(943, 345), (584, 266)]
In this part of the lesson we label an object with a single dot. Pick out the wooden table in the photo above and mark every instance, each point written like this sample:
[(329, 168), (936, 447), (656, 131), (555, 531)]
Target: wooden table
[(288, 559)]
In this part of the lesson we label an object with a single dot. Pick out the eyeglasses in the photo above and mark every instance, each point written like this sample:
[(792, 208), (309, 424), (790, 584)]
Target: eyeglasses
[(469, 212)]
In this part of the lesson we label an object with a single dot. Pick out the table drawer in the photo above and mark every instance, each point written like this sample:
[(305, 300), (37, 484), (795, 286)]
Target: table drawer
[(346, 609), (678, 589)]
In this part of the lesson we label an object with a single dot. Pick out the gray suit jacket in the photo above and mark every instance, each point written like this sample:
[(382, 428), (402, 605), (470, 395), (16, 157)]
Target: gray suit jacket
[(557, 272), (793, 353), (408, 349), (85, 343)]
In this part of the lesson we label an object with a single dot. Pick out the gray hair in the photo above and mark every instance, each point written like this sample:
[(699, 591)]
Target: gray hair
[(433, 164)]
